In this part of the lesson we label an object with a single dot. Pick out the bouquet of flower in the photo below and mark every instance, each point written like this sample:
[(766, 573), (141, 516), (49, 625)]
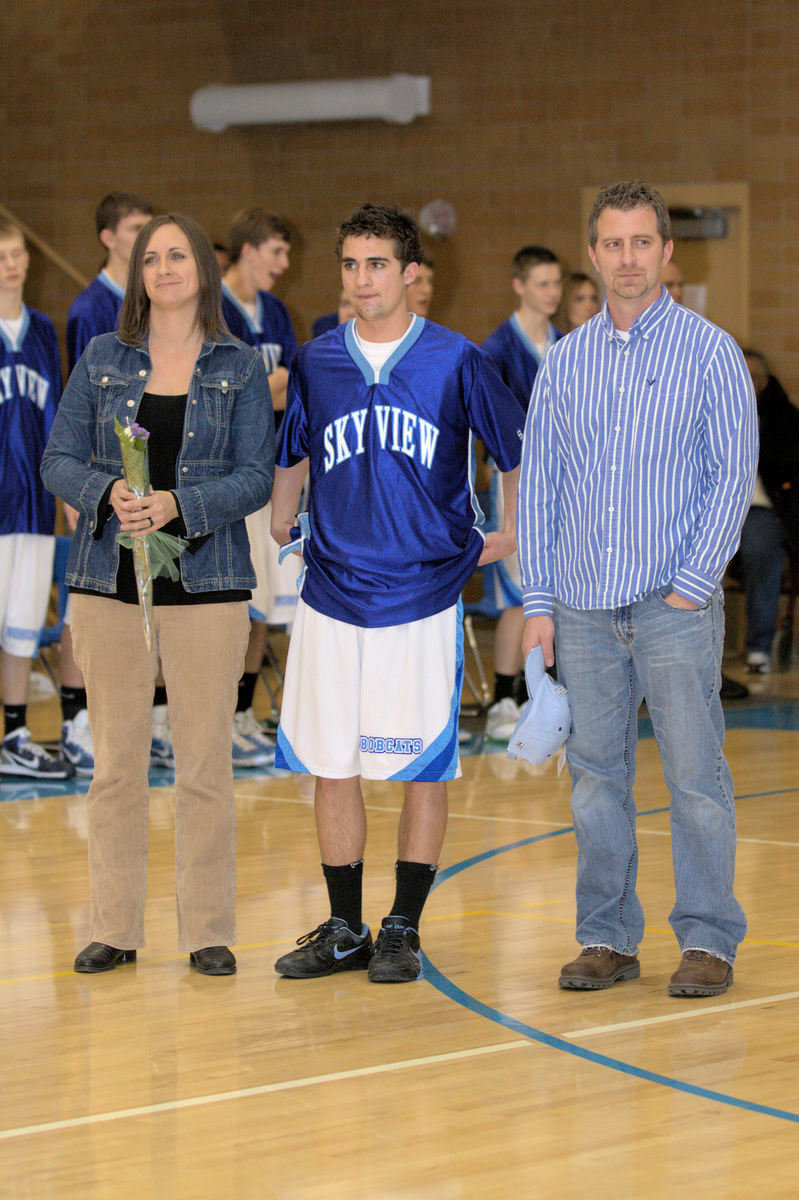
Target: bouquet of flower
[(153, 553)]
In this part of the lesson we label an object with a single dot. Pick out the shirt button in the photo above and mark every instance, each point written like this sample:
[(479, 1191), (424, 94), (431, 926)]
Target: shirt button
[(194, 401), (184, 470), (224, 383), (130, 403), (196, 533), (613, 468), (104, 379), (611, 509), (191, 435), (143, 374)]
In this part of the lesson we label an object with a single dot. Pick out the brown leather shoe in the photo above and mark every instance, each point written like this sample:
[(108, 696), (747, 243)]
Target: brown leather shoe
[(598, 967), (700, 974)]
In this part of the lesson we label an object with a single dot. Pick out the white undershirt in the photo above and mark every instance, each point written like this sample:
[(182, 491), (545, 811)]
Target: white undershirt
[(12, 329), (378, 353)]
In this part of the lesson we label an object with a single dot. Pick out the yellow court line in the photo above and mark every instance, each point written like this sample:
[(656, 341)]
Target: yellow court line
[(532, 916)]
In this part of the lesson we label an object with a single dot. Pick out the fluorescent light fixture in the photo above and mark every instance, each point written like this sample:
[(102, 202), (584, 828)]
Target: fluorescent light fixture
[(394, 98)]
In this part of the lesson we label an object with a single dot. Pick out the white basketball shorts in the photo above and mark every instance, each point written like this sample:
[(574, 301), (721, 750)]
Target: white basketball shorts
[(379, 703), (274, 597), (26, 575)]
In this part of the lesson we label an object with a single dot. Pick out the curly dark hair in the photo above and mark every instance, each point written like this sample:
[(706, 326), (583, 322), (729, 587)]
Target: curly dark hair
[(381, 221)]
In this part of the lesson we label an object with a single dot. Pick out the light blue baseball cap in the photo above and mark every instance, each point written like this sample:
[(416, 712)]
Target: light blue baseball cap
[(546, 719)]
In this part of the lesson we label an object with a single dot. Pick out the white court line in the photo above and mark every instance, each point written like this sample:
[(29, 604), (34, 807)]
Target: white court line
[(577, 1034), (265, 1089), (453, 816), (742, 841)]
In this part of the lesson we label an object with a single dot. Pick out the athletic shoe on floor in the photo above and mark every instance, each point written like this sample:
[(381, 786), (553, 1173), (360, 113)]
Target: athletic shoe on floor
[(268, 725), (251, 746), (76, 743), (20, 755), (329, 948), (161, 751), (758, 662), (502, 719), (397, 957), (731, 689)]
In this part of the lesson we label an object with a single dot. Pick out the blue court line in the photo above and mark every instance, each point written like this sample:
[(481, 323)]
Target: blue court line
[(451, 990), (781, 716)]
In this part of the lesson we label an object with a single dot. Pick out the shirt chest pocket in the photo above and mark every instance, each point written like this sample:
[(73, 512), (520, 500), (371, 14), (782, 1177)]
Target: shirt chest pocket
[(664, 407), (217, 397), (116, 395)]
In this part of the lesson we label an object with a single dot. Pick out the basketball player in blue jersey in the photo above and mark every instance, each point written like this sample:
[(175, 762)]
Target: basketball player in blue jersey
[(380, 412), (517, 348), (259, 246), (95, 310), (30, 388)]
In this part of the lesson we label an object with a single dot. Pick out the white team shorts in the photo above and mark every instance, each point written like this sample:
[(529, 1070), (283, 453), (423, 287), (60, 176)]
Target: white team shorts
[(274, 597), (379, 703), (26, 576)]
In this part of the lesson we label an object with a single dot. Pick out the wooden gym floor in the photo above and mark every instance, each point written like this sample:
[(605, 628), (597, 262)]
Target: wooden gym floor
[(482, 1081)]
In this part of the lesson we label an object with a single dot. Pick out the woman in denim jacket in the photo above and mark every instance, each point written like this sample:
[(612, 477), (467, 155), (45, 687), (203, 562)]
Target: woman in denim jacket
[(174, 369)]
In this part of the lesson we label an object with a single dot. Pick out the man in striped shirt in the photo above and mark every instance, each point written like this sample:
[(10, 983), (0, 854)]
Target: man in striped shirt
[(639, 460)]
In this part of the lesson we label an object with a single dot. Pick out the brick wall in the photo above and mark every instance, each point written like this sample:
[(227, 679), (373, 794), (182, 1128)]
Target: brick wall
[(531, 102)]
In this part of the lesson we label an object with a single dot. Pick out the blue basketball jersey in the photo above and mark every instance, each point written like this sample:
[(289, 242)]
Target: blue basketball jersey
[(30, 389), (394, 529), (516, 358), (95, 310), (271, 332)]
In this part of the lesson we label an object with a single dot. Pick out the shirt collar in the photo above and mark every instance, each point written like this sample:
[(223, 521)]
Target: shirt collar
[(648, 320)]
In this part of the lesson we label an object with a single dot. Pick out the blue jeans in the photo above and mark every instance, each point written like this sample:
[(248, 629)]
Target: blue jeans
[(763, 558), (610, 660)]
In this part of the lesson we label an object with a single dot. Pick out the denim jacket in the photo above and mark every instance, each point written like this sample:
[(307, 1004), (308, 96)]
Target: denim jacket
[(224, 469)]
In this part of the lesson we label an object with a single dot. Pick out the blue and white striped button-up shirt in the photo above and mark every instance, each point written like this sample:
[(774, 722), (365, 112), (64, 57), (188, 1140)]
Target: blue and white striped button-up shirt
[(638, 463)]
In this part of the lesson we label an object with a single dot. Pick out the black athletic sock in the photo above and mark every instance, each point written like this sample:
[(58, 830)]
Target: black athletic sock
[(414, 881), (15, 716), (503, 686), (159, 697), (246, 690), (345, 889), (73, 699)]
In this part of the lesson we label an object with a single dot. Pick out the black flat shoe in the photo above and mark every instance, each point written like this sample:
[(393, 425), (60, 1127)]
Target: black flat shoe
[(213, 960), (99, 957)]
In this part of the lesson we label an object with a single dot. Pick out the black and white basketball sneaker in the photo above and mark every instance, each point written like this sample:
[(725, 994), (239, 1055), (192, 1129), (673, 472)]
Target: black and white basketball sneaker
[(397, 956), (329, 948)]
